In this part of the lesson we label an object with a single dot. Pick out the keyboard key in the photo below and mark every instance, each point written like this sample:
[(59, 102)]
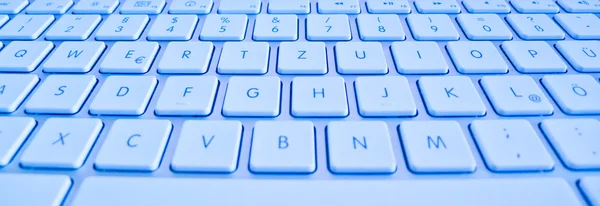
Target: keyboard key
[(535, 27), (239, 7), (61, 94), (14, 131), (360, 58), (388, 6), (584, 6), (380, 27), (436, 147), (590, 187), (208, 146), (516, 95), (511, 145), (12, 6), (48, 189), (122, 27), (388, 96), (143, 7), (24, 56), (244, 58), (73, 27), (489, 6), (537, 6), (187, 95), (435, 27), (191, 6), (289, 6), (283, 147), (360, 147), (269, 27), (74, 57), (129, 57), (476, 57), (173, 27), (253, 97), (25, 27), (327, 27), (583, 55), (231, 27), (575, 140), (62, 143), (134, 144), (484, 27), (49, 6), (338, 6), (3, 19), (319, 97), (95, 7), (186, 58), (533, 57), (437, 6), (575, 94), (419, 58), (580, 26), (13, 90), (302, 58), (124, 95), (451, 96)]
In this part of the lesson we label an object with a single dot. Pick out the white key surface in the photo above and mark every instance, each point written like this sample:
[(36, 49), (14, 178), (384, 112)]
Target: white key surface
[(61, 94), (279, 27), (319, 97), (239, 7), (95, 6), (73, 27), (129, 57), (74, 57), (186, 58), (13, 6), (289, 7), (190, 7), (14, 88), (24, 56), (49, 190), (244, 58), (122, 27), (360, 58), (13, 132), (516, 95), (575, 140), (253, 97), (123, 95), (302, 58), (173, 27), (25, 27), (143, 7), (187, 96), (575, 94), (224, 27), (49, 7), (384, 96)]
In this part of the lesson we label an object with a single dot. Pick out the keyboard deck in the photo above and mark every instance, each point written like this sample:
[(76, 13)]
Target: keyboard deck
[(363, 97)]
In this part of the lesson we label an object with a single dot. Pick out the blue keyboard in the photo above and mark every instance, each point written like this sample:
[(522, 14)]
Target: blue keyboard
[(299, 102)]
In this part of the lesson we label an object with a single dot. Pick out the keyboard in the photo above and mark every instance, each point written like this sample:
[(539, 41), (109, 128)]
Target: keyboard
[(299, 102)]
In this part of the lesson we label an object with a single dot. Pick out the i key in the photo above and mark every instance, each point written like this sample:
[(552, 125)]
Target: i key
[(122, 27), (74, 57), (25, 27), (414, 57), (173, 27), (73, 27), (61, 94)]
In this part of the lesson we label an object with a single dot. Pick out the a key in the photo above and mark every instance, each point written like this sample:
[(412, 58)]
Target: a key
[(580, 26), (360, 58), (575, 94), (143, 6), (591, 188), (289, 7), (488, 6), (13, 132), (239, 7), (536, 6), (484, 27), (476, 57), (582, 55), (270, 27), (229, 27), (95, 7), (122, 27), (25, 27), (435, 27), (13, 90), (123, 95), (419, 58), (360, 147), (190, 6), (388, 6), (385, 27), (302, 58), (74, 57), (510, 146), (327, 27), (186, 58), (129, 57), (388, 96), (533, 57), (451, 96), (575, 140), (437, 6), (535, 27), (253, 97), (516, 95), (62, 143), (436, 147), (73, 27), (173, 27), (319, 97), (338, 6), (586, 6), (24, 56), (49, 7), (283, 147), (187, 96), (13, 6), (208, 146), (52, 188), (244, 58), (134, 144), (61, 94)]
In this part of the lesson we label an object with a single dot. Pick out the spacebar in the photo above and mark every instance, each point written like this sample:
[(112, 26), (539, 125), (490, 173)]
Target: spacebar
[(261, 192)]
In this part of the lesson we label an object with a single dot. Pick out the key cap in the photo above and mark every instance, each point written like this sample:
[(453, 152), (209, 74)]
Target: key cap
[(24, 56), (388, 6), (73, 27), (244, 58), (25, 27), (360, 58), (289, 7), (134, 144), (338, 6), (380, 27), (187, 95), (436, 147), (384, 97), (575, 140), (3, 19), (419, 58), (48, 189), (143, 7), (129, 57), (61, 94), (489, 6), (283, 147), (510, 145), (186, 58), (327, 27), (230, 27), (590, 187), (123, 95), (13, 6), (580, 6), (451, 96), (476, 57), (302, 58), (191, 7), (515, 95), (74, 57), (173, 27), (13, 90), (575, 94), (122, 27), (580, 26), (484, 27), (535, 27), (436, 27), (582, 55), (208, 146), (95, 7), (62, 143), (13, 132), (437, 6), (49, 7), (253, 97), (239, 7), (319, 97), (270, 27), (533, 57), (537, 6)]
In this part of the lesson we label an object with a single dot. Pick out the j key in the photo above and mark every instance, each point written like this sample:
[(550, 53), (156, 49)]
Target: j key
[(143, 7), (575, 94), (270, 27), (484, 27), (516, 95), (338, 6), (230, 27), (13, 6), (190, 7), (436, 27), (327, 27), (25, 27), (61, 94), (187, 96), (583, 55), (49, 7), (73, 27), (319, 97), (302, 58), (575, 140), (122, 27), (15, 131), (289, 7), (488, 6), (52, 189), (387, 96), (437, 6), (476, 57), (419, 58), (580, 26), (535, 26), (123, 95), (95, 7), (533, 57), (538, 6), (591, 188), (129, 57), (239, 7), (590, 6), (13, 90), (380, 27), (360, 58), (388, 6), (24, 56), (186, 58), (74, 57), (244, 58), (173, 27), (451, 96), (253, 97)]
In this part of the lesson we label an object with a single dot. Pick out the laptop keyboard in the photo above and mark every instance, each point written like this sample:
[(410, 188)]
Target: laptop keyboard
[(299, 102)]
